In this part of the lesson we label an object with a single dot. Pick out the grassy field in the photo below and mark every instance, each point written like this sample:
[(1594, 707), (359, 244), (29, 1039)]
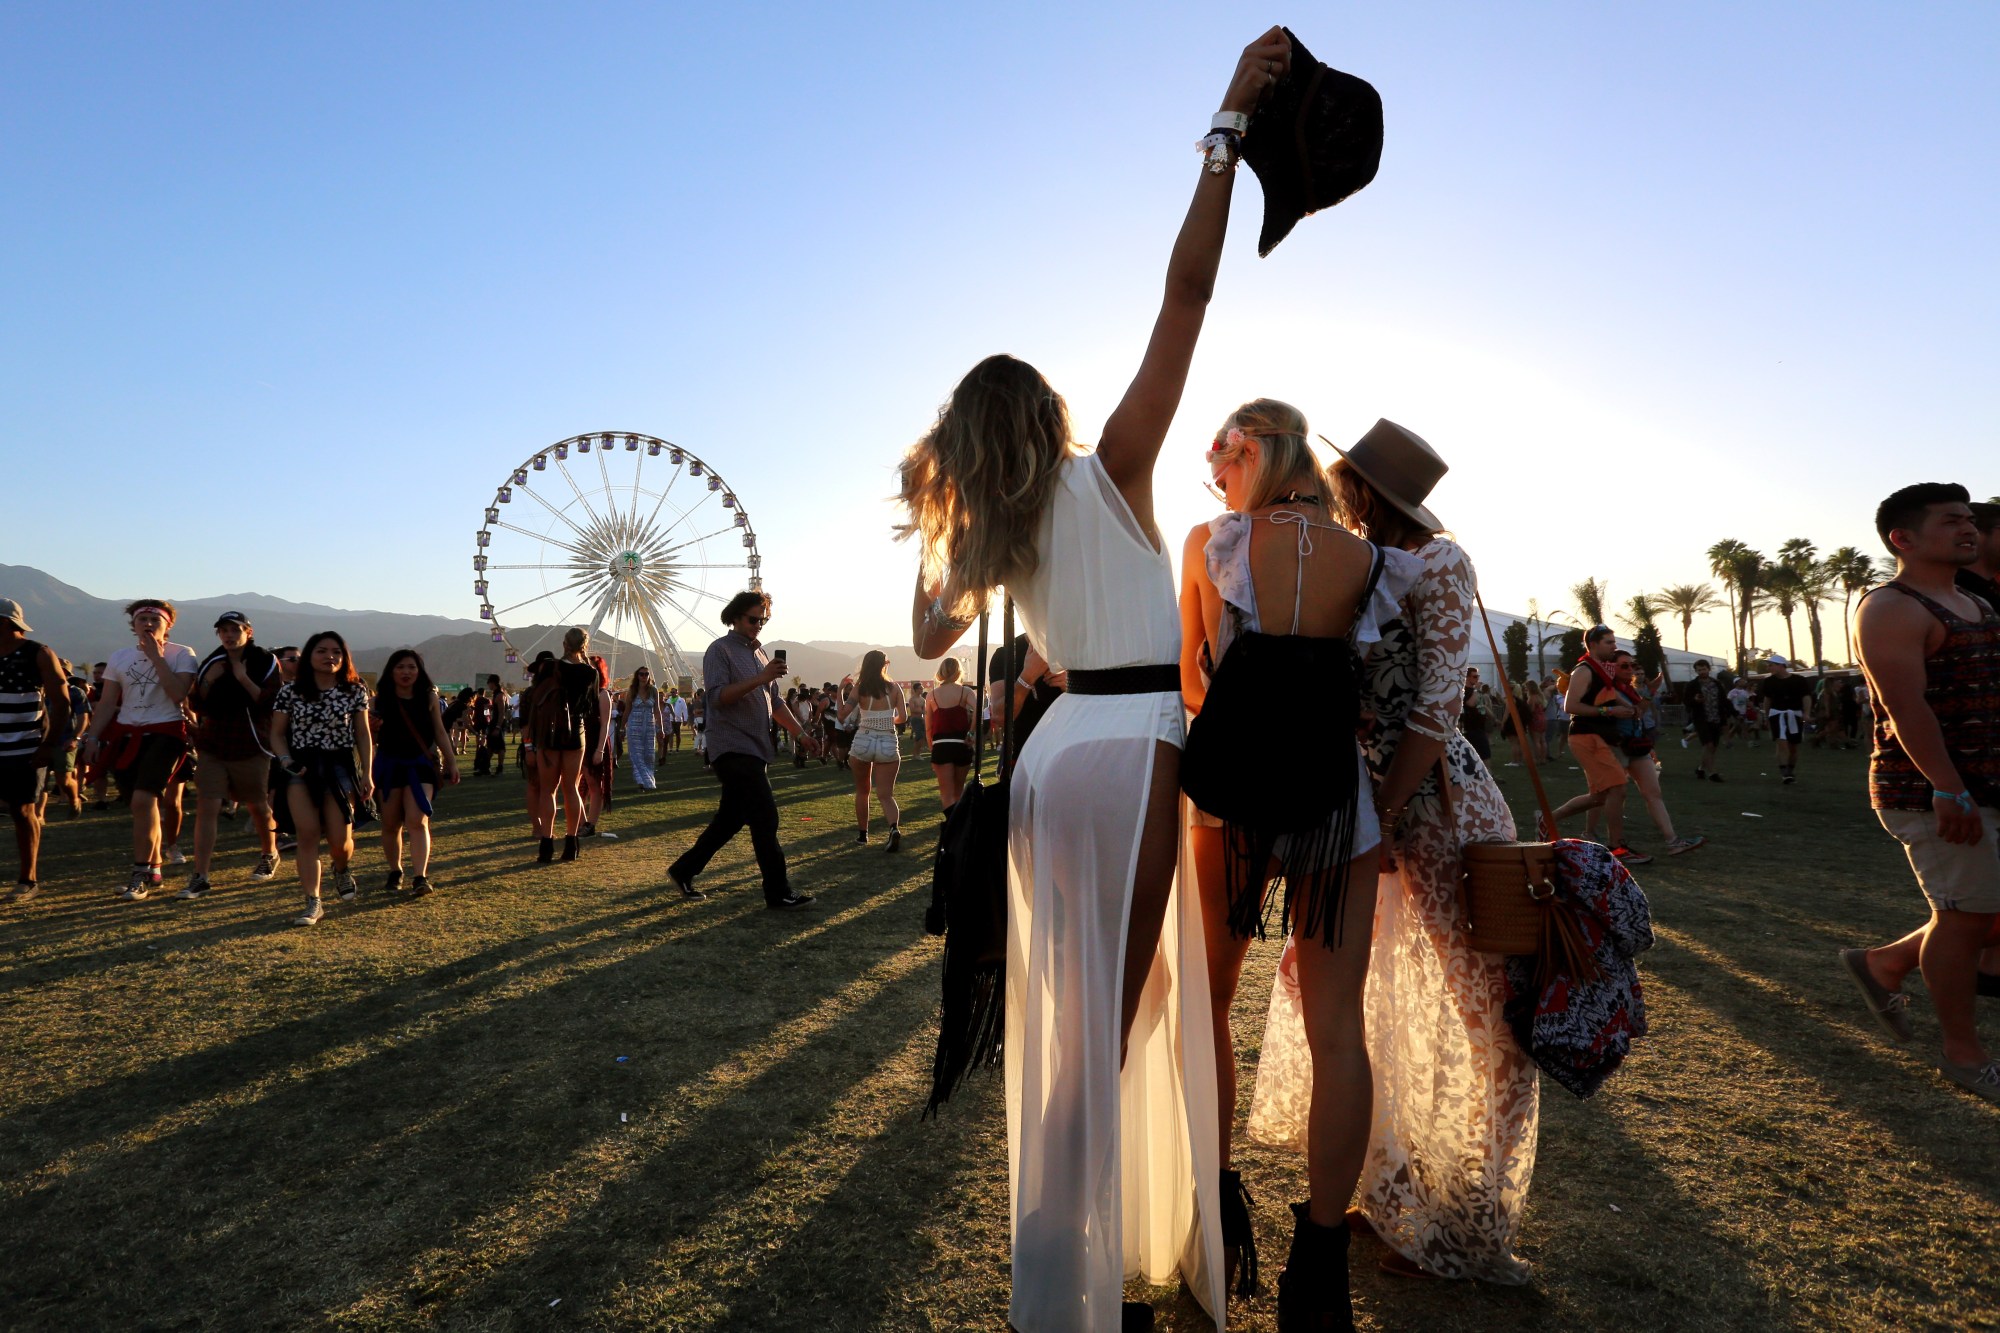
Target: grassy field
[(558, 1097)]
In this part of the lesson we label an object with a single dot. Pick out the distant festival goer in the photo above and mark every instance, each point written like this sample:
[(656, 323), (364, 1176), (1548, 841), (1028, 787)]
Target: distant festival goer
[(1783, 698), (1636, 741), (1476, 714), (1596, 707), (1445, 1177), (541, 816), (600, 731), (949, 727), (998, 495), (34, 720), (1556, 733), (1931, 652), (411, 737), (319, 724), (65, 774), (562, 702), (140, 737), (1279, 543), (676, 717), (876, 753), (698, 722), (644, 718), (1708, 713), (274, 784), (743, 698), (232, 698)]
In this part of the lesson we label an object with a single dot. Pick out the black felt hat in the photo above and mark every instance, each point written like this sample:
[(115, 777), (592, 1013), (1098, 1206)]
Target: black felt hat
[(1316, 140)]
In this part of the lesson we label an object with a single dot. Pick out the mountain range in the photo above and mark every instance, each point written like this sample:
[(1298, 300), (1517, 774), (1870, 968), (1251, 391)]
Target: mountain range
[(86, 628)]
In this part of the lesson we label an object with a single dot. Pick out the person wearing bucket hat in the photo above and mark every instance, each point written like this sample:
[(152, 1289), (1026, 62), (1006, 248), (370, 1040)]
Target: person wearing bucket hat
[(1444, 1179), (34, 720), (1111, 1122)]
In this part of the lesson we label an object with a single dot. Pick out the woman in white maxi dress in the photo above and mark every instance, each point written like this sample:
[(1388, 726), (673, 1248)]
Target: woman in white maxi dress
[(1111, 1160)]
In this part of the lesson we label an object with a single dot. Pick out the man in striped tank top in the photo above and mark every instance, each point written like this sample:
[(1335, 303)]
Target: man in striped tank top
[(1931, 652), (34, 719)]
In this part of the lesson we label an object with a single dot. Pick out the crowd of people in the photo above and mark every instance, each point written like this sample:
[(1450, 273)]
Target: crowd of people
[(1391, 1055)]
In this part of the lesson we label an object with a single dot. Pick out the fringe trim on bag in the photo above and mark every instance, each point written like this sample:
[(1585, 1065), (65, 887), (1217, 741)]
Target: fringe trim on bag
[(971, 1027), (1314, 869)]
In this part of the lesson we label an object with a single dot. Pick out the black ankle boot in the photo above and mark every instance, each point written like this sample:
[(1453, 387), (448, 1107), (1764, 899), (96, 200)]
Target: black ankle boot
[(1135, 1317), (1312, 1291), (569, 848), (1239, 1241), (545, 851)]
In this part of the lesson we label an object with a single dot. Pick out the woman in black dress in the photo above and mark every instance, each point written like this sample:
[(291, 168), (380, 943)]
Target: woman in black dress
[(410, 738)]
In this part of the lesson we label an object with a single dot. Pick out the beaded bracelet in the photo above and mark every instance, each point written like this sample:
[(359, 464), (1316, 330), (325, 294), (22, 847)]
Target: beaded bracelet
[(1220, 150)]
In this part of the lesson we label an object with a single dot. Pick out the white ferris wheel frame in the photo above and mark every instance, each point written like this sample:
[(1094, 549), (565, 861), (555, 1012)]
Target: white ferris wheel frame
[(610, 561)]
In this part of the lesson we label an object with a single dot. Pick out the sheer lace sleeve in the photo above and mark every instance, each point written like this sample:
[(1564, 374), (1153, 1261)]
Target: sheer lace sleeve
[(1441, 614)]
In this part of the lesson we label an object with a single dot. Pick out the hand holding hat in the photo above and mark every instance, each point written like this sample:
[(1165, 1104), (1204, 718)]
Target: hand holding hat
[(1262, 66), (1316, 139)]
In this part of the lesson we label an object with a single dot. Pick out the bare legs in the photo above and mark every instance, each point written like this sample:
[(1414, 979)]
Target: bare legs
[(1152, 882), (1225, 967), (312, 825), (1343, 1088), (27, 838), (400, 812), (561, 774), (951, 782), (208, 822), (1949, 948)]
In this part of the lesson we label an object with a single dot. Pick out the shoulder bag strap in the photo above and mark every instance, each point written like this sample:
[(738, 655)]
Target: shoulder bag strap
[(1520, 730), (979, 703), (1007, 705)]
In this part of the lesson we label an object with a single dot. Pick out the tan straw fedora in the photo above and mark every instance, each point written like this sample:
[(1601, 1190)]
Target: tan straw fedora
[(1399, 465)]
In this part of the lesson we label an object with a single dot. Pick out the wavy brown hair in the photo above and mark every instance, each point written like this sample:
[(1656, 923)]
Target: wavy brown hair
[(1285, 461), (975, 486), (1363, 510)]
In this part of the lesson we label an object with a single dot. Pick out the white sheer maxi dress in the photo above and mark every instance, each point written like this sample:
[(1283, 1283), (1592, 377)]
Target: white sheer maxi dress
[(1114, 1173)]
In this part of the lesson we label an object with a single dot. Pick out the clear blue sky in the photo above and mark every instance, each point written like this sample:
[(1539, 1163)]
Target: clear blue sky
[(299, 285)]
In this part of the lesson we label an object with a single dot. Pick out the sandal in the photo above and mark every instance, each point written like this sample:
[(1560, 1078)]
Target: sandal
[(1891, 1008)]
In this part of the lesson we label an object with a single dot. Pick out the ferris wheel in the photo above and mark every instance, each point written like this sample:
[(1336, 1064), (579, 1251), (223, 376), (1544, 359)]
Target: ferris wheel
[(634, 536)]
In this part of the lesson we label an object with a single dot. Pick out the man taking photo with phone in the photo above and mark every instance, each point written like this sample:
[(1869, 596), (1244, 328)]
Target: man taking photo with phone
[(743, 701)]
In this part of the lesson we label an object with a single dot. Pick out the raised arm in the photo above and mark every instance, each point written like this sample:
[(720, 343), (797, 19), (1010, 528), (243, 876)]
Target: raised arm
[(1132, 437)]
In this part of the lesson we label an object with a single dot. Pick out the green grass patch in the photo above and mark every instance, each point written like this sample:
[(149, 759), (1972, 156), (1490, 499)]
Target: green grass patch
[(416, 1115)]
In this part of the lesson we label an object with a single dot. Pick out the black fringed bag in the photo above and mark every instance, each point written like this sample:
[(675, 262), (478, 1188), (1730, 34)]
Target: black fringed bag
[(1230, 769), (969, 903)]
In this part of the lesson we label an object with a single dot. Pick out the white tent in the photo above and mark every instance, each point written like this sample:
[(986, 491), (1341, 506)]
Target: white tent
[(1680, 665)]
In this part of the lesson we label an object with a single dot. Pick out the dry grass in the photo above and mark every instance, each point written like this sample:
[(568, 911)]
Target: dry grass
[(416, 1115)]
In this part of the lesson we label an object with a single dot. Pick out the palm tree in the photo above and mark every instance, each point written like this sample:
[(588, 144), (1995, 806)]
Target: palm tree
[(1589, 596), (1688, 600), (1750, 572), (1783, 584), (1639, 611), (1722, 563), (1851, 568), (1810, 586)]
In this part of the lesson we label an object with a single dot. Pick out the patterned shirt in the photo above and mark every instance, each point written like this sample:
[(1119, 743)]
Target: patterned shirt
[(22, 715), (1962, 687), (142, 700), (324, 722)]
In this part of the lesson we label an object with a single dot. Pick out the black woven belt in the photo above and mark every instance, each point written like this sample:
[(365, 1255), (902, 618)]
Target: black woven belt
[(1164, 678)]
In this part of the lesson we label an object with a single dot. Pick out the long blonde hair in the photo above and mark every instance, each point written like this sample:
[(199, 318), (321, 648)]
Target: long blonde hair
[(976, 484), (1285, 461)]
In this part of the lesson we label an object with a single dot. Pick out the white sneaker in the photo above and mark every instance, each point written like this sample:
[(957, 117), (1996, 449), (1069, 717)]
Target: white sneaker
[(175, 856), (314, 911), (267, 868), (138, 887)]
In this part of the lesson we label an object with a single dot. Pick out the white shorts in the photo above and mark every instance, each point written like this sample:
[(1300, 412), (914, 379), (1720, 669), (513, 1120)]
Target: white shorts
[(874, 747)]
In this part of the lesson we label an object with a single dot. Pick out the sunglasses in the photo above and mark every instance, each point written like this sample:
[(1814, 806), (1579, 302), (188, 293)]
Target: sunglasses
[(758, 620), (289, 660)]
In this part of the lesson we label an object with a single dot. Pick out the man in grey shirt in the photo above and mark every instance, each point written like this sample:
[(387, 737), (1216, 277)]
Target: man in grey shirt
[(743, 702)]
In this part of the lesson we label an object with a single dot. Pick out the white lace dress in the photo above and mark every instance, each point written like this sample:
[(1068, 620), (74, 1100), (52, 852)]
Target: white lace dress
[(1452, 1146), (1114, 1172)]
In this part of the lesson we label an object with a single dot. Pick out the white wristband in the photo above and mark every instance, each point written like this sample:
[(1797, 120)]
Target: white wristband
[(1230, 120)]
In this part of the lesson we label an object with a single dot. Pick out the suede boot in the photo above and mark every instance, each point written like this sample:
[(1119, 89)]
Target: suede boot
[(1312, 1291)]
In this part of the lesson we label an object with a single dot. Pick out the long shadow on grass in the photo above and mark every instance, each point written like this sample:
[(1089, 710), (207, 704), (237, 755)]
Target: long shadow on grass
[(323, 1188)]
